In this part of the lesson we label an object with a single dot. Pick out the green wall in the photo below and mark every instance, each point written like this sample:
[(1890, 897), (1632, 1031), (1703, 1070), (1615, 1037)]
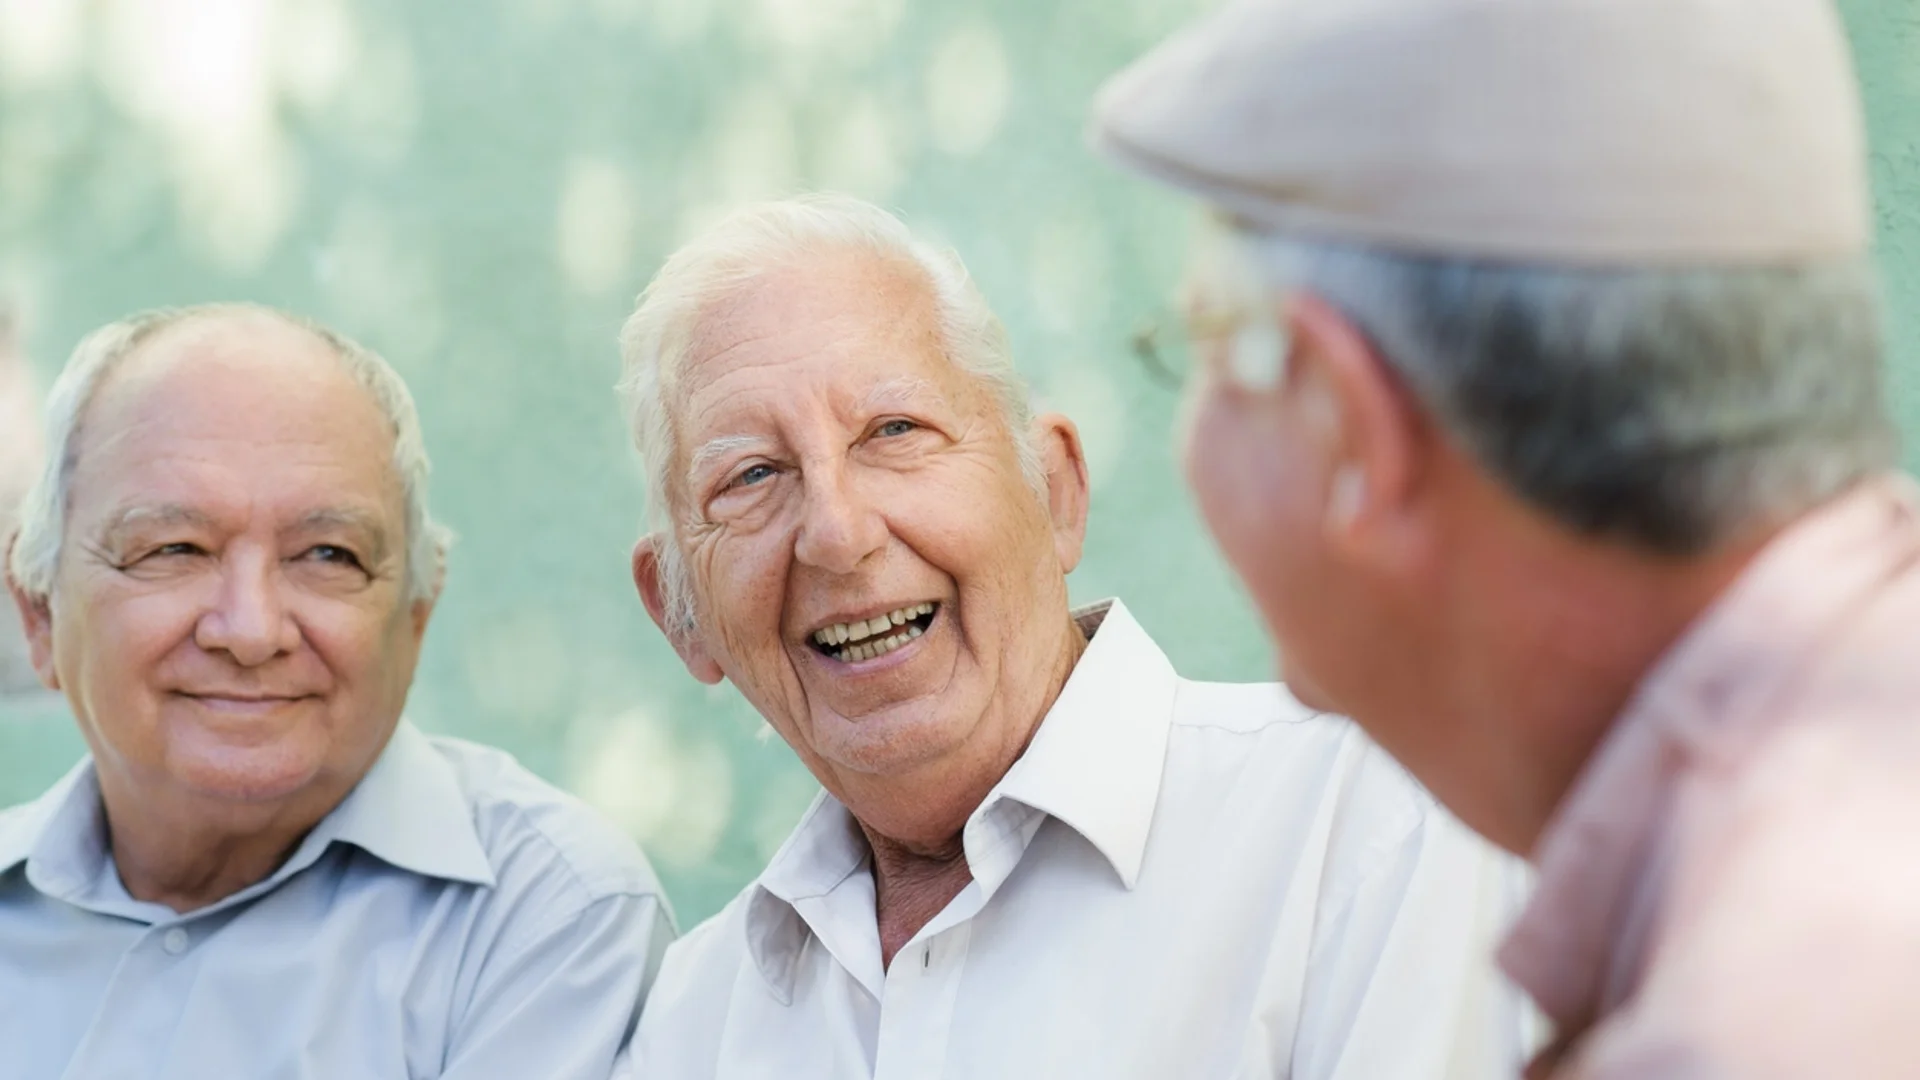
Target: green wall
[(478, 189)]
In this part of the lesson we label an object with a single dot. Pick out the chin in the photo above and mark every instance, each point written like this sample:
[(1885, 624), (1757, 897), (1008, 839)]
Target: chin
[(882, 745), (1309, 695), (267, 773), (1302, 687)]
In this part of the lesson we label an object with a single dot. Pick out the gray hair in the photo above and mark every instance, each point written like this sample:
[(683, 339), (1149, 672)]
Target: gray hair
[(1668, 408), (43, 511), (746, 245)]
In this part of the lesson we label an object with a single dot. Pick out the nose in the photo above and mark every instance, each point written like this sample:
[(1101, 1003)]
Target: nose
[(249, 620), (840, 527)]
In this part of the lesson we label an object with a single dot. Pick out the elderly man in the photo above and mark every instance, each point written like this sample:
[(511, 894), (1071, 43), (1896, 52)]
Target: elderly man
[(1039, 852), (260, 871), (1553, 447)]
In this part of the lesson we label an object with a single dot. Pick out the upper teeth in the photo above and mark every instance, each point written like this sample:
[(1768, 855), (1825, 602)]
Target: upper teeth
[(860, 630)]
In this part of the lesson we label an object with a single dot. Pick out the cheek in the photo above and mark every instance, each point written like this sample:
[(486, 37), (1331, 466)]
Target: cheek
[(121, 637), (1250, 482), (1233, 466), (739, 581), (368, 653), (978, 523)]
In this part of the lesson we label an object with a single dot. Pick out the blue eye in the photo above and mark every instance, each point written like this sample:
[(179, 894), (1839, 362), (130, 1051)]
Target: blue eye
[(893, 428), (752, 474), (177, 549)]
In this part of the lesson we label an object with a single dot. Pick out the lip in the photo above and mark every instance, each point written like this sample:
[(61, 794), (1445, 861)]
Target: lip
[(242, 703), (843, 669)]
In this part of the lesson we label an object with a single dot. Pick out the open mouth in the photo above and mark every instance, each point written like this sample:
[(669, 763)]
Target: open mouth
[(853, 642)]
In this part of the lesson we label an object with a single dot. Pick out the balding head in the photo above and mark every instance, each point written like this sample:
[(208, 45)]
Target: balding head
[(208, 345)]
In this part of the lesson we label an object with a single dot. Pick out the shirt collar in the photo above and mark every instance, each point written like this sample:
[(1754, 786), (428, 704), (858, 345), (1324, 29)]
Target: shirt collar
[(61, 836), (411, 812), (1095, 764), (1570, 949), (408, 811), (825, 849)]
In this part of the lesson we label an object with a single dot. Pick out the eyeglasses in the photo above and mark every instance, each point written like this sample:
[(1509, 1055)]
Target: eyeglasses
[(1171, 345)]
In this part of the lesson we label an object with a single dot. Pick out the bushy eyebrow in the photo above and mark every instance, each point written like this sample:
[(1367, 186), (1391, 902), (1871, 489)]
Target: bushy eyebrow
[(899, 393), (370, 525), (141, 515), (163, 515), (715, 449)]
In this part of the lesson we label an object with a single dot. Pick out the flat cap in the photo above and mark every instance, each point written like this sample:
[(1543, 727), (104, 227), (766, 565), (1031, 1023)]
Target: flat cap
[(1587, 132)]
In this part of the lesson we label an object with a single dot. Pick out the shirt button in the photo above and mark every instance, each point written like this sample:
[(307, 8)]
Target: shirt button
[(175, 942)]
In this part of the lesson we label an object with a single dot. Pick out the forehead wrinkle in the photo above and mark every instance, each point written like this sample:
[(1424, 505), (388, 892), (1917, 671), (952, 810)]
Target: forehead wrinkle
[(350, 517), (901, 391)]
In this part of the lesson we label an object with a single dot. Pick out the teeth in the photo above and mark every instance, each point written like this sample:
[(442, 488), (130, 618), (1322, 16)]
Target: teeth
[(869, 629)]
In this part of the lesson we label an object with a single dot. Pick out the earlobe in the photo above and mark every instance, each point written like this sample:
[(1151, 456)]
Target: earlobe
[(1346, 497), (421, 612), (1068, 490), (685, 640)]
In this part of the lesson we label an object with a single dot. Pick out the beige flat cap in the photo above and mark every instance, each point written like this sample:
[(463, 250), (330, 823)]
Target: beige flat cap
[(1603, 132)]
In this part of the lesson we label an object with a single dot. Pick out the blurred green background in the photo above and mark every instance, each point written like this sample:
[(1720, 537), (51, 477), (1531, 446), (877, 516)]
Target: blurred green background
[(479, 188)]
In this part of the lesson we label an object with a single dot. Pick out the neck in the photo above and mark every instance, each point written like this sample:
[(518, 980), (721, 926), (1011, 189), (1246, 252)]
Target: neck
[(183, 858), (1557, 655), (914, 826), (911, 885)]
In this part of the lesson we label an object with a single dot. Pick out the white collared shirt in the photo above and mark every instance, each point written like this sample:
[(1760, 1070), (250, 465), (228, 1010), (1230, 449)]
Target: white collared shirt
[(454, 917), (1177, 881)]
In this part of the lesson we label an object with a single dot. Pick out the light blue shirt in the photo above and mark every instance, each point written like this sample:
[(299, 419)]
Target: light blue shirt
[(454, 917)]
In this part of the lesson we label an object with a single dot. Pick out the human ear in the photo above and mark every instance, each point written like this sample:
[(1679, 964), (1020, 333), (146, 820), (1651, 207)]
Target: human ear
[(685, 639)]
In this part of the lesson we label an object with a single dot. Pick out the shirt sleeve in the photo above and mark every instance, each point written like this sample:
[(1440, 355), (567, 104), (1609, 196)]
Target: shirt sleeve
[(565, 1005), (1401, 982)]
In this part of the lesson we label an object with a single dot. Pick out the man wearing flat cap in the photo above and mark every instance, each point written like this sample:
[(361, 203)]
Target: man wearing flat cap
[(1540, 407)]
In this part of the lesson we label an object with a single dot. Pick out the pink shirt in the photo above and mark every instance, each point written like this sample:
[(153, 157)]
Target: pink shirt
[(1732, 889)]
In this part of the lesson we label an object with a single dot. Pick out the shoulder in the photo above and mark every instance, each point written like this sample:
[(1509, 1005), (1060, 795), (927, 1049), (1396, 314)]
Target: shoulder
[(711, 953), (1788, 940), (537, 836), (687, 1008), (1262, 733), (18, 825), (14, 824), (1252, 752), (25, 825)]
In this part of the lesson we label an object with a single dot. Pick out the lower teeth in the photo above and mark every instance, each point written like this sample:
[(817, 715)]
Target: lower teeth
[(853, 654)]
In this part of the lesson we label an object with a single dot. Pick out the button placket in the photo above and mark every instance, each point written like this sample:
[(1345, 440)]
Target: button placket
[(916, 1017), (140, 1010)]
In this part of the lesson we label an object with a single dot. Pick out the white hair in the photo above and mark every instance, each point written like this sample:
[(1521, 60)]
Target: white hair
[(746, 245), (41, 536), (1667, 407)]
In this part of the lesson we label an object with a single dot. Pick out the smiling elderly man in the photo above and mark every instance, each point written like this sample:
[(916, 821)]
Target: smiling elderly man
[(1545, 421), (260, 871), (1040, 853)]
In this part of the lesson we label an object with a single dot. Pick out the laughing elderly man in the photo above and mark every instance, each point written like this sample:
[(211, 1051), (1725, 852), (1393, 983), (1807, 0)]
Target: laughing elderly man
[(1575, 486), (1040, 852), (260, 871)]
